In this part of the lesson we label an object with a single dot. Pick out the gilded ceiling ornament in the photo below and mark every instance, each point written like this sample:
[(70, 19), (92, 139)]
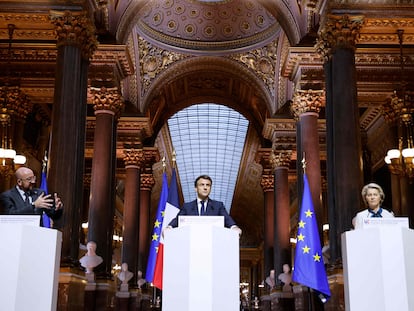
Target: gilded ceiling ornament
[(338, 32)]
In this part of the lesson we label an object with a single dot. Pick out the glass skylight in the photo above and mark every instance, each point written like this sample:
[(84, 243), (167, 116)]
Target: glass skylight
[(208, 139)]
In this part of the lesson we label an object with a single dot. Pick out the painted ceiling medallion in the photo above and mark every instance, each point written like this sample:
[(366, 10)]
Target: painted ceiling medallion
[(213, 24)]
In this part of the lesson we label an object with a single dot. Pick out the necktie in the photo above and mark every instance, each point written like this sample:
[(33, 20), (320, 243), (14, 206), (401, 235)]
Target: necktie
[(203, 210), (26, 200)]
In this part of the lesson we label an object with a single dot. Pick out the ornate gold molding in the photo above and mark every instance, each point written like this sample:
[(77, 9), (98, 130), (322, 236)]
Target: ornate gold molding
[(267, 182), (339, 32), (280, 158), (307, 101), (147, 181), (134, 158), (75, 28), (107, 99)]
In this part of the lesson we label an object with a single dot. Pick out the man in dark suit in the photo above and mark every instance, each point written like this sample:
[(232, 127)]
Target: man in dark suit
[(204, 206), (25, 199)]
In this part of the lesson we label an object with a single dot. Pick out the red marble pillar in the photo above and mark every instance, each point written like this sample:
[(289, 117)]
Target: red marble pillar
[(147, 182), (282, 251), (134, 159), (76, 43), (306, 106), (267, 184), (107, 104)]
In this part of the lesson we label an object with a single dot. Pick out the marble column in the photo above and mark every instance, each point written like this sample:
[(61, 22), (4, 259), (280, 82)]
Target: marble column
[(76, 43), (107, 105), (336, 43), (147, 182), (282, 253), (306, 106), (267, 184), (134, 160)]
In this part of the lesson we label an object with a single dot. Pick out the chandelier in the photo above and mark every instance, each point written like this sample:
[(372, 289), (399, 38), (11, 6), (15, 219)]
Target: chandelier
[(12, 104), (400, 108)]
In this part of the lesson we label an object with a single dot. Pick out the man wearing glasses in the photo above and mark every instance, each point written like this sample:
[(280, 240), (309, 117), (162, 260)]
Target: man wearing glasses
[(25, 199)]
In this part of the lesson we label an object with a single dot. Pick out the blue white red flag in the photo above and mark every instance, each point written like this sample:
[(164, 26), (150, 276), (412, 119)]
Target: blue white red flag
[(171, 211), (156, 234)]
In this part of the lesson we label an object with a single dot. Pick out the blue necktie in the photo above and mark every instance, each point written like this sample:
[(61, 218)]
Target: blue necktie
[(203, 210)]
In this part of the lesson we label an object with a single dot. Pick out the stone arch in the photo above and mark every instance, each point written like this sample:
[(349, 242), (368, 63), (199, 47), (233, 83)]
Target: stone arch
[(207, 79)]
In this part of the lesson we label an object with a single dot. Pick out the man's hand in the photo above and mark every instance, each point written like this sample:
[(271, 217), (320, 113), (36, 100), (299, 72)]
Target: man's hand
[(58, 202), (44, 201), (163, 230), (237, 229)]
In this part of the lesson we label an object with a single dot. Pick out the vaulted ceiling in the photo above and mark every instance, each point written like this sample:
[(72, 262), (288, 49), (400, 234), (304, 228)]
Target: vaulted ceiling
[(249, 55)]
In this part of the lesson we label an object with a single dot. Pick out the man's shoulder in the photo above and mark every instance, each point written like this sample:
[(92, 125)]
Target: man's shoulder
[(9, 192), (215, 202)]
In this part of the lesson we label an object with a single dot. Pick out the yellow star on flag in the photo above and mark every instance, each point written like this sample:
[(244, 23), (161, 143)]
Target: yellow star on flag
[(306, 249), (316, 257), (301, 237), (308, 213), (155, 237), (302, 224), (157, 224)]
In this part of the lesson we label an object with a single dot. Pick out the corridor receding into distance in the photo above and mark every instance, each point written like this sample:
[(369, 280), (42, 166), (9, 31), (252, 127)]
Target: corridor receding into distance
[(208, 139)]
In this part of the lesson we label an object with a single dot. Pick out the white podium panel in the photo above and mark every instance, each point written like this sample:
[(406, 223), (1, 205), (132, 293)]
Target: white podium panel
[(29, 267), (201, 269), (378, 269)]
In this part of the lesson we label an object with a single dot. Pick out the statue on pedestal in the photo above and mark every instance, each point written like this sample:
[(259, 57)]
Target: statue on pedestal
[(141, 281), (124, 276), (90, 261), (270, 280), (286, 278)]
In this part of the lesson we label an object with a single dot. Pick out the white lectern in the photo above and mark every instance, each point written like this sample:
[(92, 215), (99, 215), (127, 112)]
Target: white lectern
[(378, 269), (201, 269), (29, 267)]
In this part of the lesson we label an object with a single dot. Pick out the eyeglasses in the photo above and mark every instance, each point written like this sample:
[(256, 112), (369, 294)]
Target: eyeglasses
[(29, 179)]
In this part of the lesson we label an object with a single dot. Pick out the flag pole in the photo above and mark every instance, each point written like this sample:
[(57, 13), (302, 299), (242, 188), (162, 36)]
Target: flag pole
[(310, 307)]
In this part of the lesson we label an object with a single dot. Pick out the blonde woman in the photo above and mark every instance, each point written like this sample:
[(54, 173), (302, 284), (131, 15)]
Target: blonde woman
[(373, 196)]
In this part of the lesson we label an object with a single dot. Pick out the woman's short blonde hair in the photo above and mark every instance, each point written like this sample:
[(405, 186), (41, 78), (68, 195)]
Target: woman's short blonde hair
[(372, 186)]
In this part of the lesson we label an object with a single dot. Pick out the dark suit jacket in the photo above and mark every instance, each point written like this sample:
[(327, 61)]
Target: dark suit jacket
[(11, 202), (214, 208)]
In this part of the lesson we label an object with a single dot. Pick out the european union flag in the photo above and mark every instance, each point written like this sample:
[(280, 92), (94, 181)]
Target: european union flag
[(309, 269), (156, 234)]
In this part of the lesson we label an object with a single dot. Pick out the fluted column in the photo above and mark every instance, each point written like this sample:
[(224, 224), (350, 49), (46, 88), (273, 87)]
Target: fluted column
[(134, 160), (107, 106), (336, 43), (147, 182), (282, 254), (76, 43), (306, 106), (268, 184)]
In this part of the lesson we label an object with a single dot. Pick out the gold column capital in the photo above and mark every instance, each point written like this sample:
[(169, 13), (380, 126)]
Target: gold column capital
[(339, 31), (134, 157), (75, 28), (107, 99), (147, 181), (280, 158), (307, 101), (267, 182)]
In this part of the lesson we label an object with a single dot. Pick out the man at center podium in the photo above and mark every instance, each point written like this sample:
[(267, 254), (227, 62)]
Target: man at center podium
[(204, 206)]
